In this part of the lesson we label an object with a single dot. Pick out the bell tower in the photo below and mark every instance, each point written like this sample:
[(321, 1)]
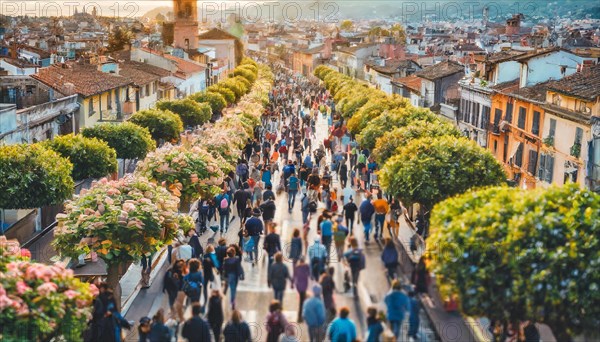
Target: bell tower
[(186, 24)]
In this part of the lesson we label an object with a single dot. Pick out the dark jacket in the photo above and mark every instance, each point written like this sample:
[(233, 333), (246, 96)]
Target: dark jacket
[(254, 226), (159, 333), (278, 275), (196, 246), (272, 244), (233, 266), (237, 332), (296, 248), (268, 210), (196, 329), (215, 311), (241, 198), (366, 211)]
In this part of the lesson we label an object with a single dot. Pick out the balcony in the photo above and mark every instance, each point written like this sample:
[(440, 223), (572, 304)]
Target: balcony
[(494, 128)]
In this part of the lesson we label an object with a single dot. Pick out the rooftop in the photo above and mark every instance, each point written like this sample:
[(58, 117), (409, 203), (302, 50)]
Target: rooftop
[(440, 70), (184, 66), (411, 82), (584, 85), (391, 66), (353, 49), (535, 93), (85, 78), (136, 73), (216, 34)]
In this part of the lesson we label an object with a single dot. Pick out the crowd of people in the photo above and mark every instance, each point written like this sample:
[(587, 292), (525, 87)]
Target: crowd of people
[(284, 158)]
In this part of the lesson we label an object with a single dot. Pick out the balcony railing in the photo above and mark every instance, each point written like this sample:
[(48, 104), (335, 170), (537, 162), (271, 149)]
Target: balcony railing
[(494, 128)]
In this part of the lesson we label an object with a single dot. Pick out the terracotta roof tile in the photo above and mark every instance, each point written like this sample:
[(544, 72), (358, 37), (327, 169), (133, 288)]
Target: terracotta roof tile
[(86, 79), (216, 34), (185, 67), (440, 70), (584, 85), (412, 82), (137, 75)]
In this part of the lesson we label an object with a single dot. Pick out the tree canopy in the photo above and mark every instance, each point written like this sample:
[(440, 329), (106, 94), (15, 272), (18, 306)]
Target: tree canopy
[(33, 176), (192, 113), (514, 255), (129, 140), (215, 100), (163, 125), (429, 170), (91, 157)]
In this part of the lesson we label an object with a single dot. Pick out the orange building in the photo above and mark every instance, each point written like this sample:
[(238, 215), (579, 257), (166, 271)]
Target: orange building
[(515, 138)]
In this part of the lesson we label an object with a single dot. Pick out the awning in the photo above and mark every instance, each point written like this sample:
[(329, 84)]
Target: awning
[(514, 150)]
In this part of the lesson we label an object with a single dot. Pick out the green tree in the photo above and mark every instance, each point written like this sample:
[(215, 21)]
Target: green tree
[(215, 100), (192, 113), (377, 105), (163, 125), (33, 176), (514, 255), (397, 31), (393, 119), (347, 25), (390, 142), (228, 94), (429, 170), (129, 140), (91, 157), (118, 38)]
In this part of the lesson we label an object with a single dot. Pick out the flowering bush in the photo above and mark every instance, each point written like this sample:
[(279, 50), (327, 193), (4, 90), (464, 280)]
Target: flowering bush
[(215, 100), (119, 220), (186, 172), (219, 143), (38, 301), (224, 91), (32, 176)]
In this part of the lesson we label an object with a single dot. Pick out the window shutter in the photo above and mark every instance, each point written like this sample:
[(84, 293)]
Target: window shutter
[(542, 169), (531, 166), (549, 168)]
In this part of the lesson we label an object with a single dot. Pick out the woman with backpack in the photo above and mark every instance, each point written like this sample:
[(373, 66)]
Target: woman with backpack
[(210, 264), (192, 282), (172, 285), (276, 322)]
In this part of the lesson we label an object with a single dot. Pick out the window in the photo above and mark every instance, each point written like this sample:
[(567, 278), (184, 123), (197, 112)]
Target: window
[(505, 152), (552, 130), (532, 163), (475, 116), (522, 117), (519, 156), (546, 168), (582, 106), (109, 99), (535, 124), (485, 119), (91, 106), (147, 89), (495, 146), (578, 135), (509, 109), (497, 116), (556, 99)]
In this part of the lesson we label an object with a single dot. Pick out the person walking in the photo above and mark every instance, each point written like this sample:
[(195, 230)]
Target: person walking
[(233, 272), (413, 318), (293, 185), (326, 231), (242, 198), (254, 227), (339, 238), (314, 315), (272, 244), (301, 280), (194, 242), (276, 322), (366, 215), (196, 329), (355, 258), (305, 208), (295, 247), (159, 332), (342, 329), (215, 314), (278, 276), (210, 265), (317, 254), (268, 210), (374, 325), (389, 256), (237, 330), (381, 207), (349, 211), (397, 304), (223, 201), (327, 283), (192, 282)]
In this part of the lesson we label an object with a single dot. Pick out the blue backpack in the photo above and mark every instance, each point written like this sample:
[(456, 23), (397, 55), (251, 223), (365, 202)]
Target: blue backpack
[(191, 288), (293, 183)]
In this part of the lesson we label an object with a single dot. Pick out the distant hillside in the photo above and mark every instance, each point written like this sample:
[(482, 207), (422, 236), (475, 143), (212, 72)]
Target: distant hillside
[(154, 12)]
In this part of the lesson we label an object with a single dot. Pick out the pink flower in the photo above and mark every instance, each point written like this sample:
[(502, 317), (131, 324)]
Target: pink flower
[(128, 206), (71, 294), (22, 287), (5, 302), (47, 288), (94, 290)]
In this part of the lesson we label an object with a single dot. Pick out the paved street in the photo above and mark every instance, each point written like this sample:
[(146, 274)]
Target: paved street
[(254, 295)]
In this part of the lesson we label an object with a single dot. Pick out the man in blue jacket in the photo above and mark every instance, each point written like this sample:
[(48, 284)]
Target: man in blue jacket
[(397, 304), (313, 313), (342, 329), (367, 210), (254, 226)]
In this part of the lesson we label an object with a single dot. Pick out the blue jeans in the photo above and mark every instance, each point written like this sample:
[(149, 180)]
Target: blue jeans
[(305, 216), (396, 327), (350, 224), (278, 294), (379, 223), (367, 225), (232, 281), (291, 198), (256, 239), (223, 220)]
